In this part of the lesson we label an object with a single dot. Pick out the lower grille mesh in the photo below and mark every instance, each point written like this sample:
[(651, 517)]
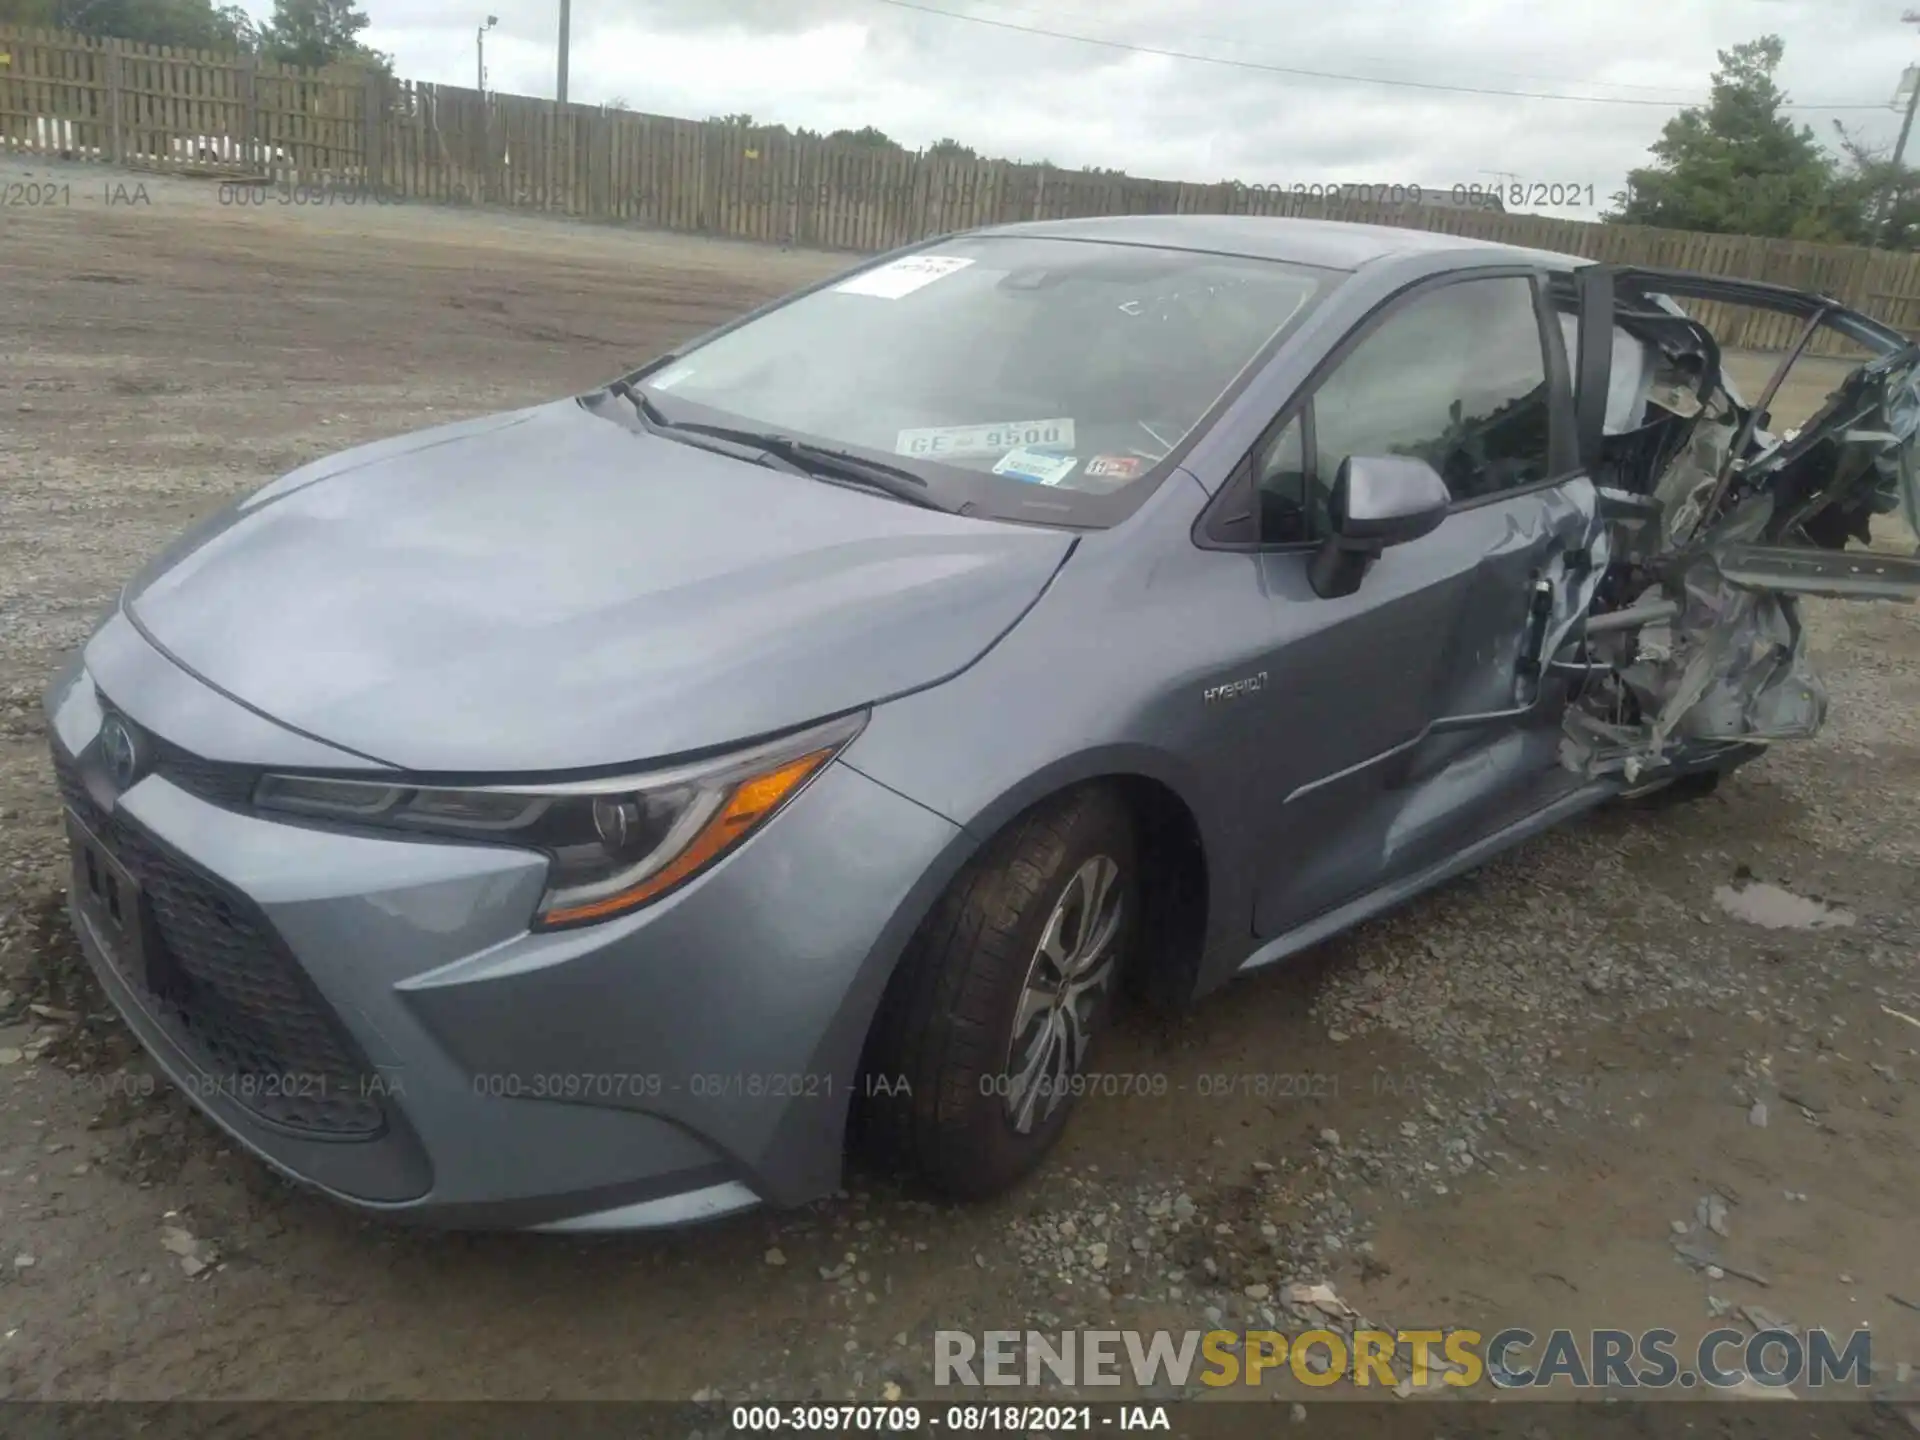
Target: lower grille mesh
[(231, 995)]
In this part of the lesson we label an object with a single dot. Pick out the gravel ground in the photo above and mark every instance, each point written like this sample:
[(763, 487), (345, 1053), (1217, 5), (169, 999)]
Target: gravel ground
[(1590, 1084)]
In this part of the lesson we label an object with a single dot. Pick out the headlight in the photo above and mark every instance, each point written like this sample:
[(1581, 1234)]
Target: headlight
[(614, 844)]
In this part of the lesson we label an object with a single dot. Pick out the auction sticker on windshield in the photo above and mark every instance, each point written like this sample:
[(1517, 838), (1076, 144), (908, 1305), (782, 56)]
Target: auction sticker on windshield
[(942, 442), (902, 277), (1037, 466)]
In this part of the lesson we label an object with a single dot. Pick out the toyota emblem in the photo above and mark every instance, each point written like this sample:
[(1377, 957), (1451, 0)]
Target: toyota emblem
[(120, 752)]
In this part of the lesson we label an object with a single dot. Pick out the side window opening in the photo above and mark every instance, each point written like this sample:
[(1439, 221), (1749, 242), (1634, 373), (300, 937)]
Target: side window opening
[(1283, 488), (1456, 377)]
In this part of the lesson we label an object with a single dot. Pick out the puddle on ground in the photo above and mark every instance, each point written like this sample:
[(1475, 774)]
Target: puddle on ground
[(1773, 908)]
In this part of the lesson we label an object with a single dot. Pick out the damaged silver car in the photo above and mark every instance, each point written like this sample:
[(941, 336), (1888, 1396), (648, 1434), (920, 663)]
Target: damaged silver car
[(593, 816)]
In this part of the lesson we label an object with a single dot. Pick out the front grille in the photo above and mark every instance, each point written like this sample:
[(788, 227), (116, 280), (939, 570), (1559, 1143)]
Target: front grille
[(233, 997), (215, 781)]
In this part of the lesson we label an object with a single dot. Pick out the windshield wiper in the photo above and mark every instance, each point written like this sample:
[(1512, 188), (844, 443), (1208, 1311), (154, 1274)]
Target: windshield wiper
[(657, 419), (819, 461), (894, 480)]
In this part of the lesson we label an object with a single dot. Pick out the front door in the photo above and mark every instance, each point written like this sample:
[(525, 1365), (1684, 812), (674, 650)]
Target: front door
[(1420, 717)]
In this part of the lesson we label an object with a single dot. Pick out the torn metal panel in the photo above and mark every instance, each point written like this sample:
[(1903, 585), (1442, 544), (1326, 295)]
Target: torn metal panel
[(1853, 460), (1715, 528), (1837, 574), (1681, 493), (1732, 666)]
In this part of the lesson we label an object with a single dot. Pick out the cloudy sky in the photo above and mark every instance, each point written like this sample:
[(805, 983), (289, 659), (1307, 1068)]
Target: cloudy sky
[(919, 76)]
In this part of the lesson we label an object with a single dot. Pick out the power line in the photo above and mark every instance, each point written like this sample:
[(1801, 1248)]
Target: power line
[(1664, 91), (1314, 74)]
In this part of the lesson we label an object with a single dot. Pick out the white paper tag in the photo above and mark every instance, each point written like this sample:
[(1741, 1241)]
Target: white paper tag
[(945, 442), (903, 276), (1037, 466)]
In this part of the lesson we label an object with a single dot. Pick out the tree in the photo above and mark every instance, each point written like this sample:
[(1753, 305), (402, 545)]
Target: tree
[(313, 33), (1738, 165), (948, 148), (235, 23), (867, 135), (1879, 195), (189, 24)]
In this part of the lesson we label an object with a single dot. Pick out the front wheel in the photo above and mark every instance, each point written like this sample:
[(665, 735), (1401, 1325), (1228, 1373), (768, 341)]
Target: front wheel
[(983, 1039)]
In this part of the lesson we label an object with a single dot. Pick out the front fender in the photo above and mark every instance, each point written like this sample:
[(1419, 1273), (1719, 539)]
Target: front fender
[(933, 754)]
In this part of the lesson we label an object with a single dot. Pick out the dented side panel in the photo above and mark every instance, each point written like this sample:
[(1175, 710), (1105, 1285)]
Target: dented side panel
[(1477, 739)]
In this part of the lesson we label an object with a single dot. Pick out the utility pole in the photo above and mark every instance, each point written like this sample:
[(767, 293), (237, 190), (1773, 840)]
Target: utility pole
[(1912, 17), (1909, 90), (1503, 176), (480, 53), (566, 26)]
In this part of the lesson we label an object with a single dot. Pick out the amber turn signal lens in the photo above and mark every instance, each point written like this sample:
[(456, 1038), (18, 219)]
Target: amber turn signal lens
[(751, 802)]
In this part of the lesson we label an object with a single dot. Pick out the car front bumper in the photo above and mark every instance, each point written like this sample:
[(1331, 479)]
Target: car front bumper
[(373, 1017)]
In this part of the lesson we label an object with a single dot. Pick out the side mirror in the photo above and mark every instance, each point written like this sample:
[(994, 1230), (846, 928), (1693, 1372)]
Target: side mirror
[(1377, 501)]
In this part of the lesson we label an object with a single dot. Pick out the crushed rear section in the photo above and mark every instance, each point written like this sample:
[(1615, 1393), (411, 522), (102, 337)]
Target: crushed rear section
[(1716, 526)]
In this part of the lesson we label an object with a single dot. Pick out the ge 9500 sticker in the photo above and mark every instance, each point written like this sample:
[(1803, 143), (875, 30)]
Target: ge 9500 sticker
[(954, 442)]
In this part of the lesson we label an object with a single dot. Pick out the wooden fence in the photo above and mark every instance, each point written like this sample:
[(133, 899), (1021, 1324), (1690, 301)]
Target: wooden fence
[(155, 106), (382, 140)]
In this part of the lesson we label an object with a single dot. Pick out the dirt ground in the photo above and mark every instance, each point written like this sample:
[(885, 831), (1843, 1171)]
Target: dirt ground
[(1503, 1104)]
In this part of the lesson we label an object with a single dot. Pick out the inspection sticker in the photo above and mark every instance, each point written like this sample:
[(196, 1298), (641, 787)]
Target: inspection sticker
[(940, 442), (1036, 465), (1115, 467), (902, 277)]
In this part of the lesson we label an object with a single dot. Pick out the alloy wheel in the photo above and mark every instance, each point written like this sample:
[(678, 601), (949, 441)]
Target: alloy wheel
[(1072, 968)]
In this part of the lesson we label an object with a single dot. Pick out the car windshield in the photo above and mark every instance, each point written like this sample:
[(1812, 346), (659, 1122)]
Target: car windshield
[(1025, 378)]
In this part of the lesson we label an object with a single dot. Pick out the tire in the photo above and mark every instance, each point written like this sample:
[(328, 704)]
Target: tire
[(946, 1096)]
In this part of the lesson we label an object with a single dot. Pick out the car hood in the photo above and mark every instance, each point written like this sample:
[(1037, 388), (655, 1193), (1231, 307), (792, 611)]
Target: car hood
[(551, 590)]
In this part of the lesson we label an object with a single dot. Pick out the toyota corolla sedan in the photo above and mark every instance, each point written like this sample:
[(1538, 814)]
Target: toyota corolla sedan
[(604, 814)]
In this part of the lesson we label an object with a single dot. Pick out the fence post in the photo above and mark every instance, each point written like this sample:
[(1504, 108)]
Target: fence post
[(929, 173), (372, 138), (250, 112), (110, 59)]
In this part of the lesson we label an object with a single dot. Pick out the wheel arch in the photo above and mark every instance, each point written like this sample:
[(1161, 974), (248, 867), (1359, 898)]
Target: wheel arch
[(1181, 846), (1174, 889)]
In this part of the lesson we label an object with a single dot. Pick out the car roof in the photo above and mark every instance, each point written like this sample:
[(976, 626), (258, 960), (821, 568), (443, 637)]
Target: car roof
[(1330, 244)]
